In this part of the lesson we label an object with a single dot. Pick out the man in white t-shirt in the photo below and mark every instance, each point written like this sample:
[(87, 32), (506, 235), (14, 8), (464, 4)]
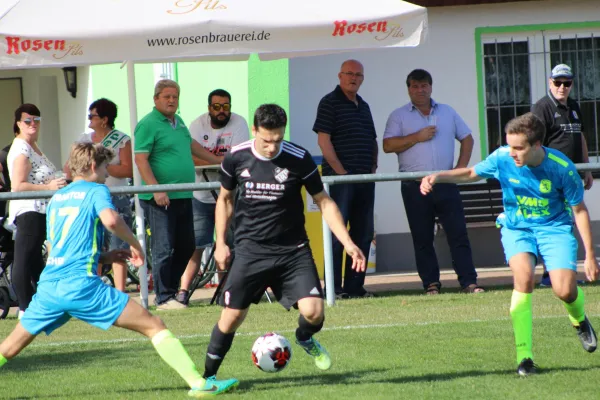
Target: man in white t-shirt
[(217, 131)]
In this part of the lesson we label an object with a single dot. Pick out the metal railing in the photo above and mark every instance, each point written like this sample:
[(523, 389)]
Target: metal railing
[(327, 181)]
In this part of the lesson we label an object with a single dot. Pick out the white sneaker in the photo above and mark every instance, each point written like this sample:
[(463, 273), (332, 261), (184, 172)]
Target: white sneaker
[(171, 305)]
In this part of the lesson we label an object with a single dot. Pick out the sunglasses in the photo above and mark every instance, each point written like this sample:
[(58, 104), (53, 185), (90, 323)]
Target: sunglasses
[(91, 116), (218, 106), (560, 83), (29, 121)]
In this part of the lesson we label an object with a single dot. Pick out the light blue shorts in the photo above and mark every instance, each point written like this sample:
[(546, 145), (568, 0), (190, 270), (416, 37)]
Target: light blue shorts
[(556, 246), (85, 298)]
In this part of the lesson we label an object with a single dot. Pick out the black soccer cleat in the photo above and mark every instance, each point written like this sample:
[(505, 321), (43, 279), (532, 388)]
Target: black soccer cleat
[(587, 336), (527, 367)]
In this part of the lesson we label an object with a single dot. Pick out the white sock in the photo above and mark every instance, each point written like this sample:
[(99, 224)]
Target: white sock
[(20, 314)]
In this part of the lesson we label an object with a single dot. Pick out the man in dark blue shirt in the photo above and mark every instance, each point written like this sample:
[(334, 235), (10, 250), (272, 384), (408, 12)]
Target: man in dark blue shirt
[(348, 142)]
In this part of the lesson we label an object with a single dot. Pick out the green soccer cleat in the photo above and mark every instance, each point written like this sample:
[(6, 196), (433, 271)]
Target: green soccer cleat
[(318, 352), (213, 387)]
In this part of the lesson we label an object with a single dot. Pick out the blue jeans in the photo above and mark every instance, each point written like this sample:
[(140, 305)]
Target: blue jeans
[(172, 241), (123, 206), (421, 211), (204, 223), (356, 202)]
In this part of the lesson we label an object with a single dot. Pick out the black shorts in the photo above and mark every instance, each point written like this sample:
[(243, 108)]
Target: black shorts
[(291, 277)]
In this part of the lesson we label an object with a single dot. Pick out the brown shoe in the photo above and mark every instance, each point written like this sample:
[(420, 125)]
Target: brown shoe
[(473, 288), (171, 305), (433, 289)]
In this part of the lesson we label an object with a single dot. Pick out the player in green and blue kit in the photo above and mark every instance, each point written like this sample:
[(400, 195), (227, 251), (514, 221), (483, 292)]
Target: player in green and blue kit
[(542, 193), (69, 285)]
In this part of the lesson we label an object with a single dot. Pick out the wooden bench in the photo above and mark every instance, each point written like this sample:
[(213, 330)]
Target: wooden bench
[(482, 203)]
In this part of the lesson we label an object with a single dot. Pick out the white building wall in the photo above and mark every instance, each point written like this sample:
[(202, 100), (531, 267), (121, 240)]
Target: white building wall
[(63, 117), (449, 55)]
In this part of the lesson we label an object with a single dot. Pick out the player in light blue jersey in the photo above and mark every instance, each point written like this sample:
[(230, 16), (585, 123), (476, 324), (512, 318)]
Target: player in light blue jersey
[(542, 194), (69, 286)]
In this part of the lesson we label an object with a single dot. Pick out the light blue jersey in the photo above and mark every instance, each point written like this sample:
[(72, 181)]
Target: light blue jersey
[(534, 196), (75, 231), (69, 285)]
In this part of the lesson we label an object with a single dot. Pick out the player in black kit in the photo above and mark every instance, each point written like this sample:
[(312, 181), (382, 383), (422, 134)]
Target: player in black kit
[(271, 245)]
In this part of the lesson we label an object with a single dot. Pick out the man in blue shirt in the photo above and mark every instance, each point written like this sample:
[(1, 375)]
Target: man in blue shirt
[(70, 286), (541, 188), (423, 134)]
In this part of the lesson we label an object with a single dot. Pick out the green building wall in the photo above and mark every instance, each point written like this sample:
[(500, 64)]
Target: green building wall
[(251, 83)]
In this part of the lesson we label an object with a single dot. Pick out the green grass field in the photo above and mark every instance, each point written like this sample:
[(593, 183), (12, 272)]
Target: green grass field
[(451, 346)]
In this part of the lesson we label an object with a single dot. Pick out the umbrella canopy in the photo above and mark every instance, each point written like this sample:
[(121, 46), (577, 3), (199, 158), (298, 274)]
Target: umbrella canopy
[(54, 33)]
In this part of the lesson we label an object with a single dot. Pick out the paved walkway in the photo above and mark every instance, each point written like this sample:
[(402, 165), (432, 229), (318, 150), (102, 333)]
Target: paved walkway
[(377, 283)]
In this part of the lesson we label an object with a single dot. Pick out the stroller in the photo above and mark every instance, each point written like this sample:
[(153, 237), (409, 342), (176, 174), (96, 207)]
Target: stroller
[(8, 298)]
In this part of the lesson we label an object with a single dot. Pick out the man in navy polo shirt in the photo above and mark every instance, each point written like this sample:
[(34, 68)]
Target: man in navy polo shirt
[(348, 142), (564, 128)]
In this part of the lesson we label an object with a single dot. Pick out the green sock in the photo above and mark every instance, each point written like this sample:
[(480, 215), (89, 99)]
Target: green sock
[(522, 318), (2, 360), (575, 309), (170, 349)]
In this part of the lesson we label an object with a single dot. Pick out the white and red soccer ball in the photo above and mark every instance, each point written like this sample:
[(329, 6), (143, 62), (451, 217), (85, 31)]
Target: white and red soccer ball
[(271, 352)]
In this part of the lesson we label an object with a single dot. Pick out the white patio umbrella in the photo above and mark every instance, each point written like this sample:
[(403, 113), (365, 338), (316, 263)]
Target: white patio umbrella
[(38, 33), (58, 33)]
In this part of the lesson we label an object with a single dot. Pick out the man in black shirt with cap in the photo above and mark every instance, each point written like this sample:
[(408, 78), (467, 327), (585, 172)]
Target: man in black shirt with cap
[(564, 128)]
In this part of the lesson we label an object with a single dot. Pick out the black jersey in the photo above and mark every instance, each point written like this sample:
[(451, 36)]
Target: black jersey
[(269, 213), (563, 125)]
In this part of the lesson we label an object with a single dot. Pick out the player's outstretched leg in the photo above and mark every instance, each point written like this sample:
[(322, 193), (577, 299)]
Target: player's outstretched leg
[(221, 339), (18, 339), (565, 288), (168, 347), (522, 265), (310, 321)]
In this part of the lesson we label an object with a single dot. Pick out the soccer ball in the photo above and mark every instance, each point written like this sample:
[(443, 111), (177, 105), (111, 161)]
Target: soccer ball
[(271, 352)]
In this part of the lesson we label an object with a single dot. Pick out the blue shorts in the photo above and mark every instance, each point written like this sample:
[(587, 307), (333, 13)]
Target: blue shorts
[(204, 223), (123, 206), (85, 298), (556, 246)]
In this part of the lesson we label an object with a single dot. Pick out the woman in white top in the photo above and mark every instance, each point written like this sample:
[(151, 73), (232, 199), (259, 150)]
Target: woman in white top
[(29, 170), (102, 115)]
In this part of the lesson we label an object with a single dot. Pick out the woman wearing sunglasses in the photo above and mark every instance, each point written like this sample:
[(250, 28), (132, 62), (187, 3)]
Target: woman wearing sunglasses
[(102, 115), (29, 170)]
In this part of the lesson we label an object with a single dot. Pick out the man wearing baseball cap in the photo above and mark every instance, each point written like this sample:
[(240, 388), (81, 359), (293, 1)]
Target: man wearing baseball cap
[(564, 129)]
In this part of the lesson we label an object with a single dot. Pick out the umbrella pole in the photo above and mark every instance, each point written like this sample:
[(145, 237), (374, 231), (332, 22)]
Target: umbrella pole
[(139, 213)]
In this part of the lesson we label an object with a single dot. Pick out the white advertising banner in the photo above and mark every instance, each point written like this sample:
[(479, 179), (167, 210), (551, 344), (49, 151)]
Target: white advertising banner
[(52, 33)]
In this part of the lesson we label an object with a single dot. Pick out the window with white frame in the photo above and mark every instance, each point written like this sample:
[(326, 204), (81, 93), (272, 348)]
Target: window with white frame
[(516, 71)]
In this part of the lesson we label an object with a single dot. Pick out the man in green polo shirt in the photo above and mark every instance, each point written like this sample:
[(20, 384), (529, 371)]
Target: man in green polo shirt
[(163, 155)]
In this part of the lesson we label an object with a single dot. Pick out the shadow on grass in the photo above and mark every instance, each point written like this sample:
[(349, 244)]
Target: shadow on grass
[(356, 377), (69, 357), (81, 394), (345, 378)]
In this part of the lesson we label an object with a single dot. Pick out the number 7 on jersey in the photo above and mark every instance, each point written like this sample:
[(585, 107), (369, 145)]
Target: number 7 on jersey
[(70, 213)]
